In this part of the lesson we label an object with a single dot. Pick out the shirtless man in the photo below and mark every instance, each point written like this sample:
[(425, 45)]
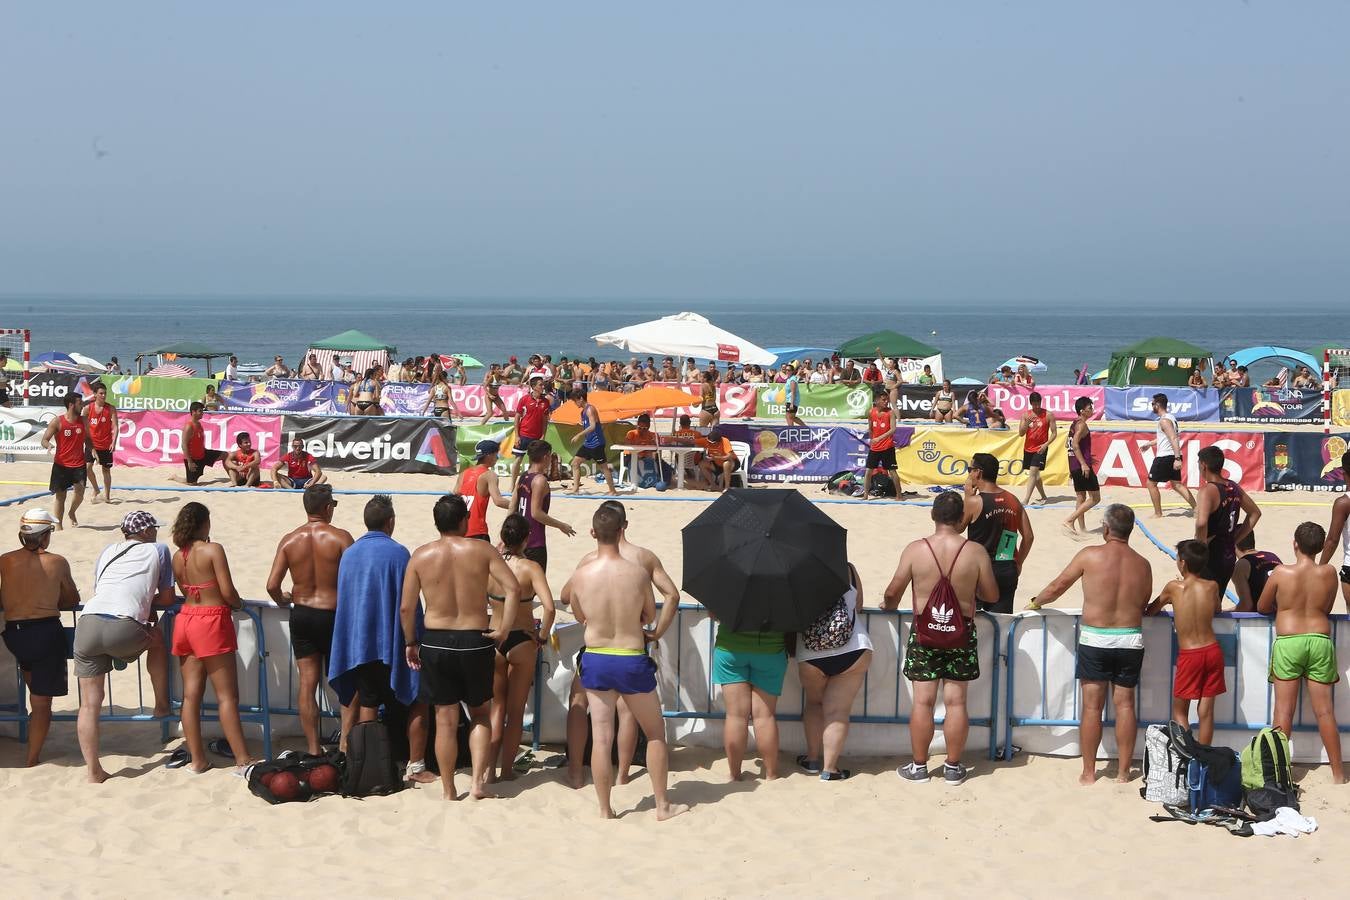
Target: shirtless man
[(1199, 671), (1117, 583), (311, 554), (612, 597), (243, 464), (457, 655), (577, 704), (1218, 505), (922, 563), (100, 422), (35, 586), (1338, 532), (1302, 596), (68, 470)]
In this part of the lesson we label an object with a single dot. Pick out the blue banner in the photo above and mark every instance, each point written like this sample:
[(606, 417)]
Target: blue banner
[(1297, 461), (281, 395), (1263, 405), (404, 398), (803, 453), (1187, 404)]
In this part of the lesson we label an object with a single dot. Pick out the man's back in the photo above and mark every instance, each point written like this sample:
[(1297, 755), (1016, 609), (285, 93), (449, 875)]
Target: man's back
[(1194, 603), (1117, 583), (313, 553), (30, 584), (970, 561), (1304, 595), (613, 595), (453, 574)]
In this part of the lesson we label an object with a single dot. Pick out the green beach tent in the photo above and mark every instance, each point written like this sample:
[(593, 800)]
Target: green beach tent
[(362, 349), (886, 344), (350, 341), (184, 350), (1158, 360)]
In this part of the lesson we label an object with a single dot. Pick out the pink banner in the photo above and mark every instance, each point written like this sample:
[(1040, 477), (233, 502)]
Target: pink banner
[(150, 438), (1059, 399), (1119, 459)]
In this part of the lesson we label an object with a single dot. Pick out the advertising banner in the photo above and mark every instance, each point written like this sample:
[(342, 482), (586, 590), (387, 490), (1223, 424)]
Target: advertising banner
[(818, 401), (1340, 408), (1187, 404), (148, 438), (942, 456), (48, 388), (280, 395), (1058, 399), (21, 430), (911, 369), (800, 453), (915, 401), (375, 443), (135, 392), (559, 437), (1311, 461), (1120, 461), (1262, 405)]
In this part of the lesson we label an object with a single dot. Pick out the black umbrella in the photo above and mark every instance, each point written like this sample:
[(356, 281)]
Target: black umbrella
[(765, 560)]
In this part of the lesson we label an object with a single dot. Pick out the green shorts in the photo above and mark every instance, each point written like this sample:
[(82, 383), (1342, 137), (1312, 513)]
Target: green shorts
[(762, 670), (1310, 656), (934, 664)]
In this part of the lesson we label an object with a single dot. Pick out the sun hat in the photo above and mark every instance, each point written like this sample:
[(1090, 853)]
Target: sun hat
[(37, 520), (138, 521)]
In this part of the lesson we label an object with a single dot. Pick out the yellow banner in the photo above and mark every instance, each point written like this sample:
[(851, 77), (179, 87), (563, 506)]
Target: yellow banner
[(1340, 407), (941, 456)]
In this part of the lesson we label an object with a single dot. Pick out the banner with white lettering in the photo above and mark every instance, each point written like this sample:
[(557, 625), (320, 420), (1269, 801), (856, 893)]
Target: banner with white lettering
[(375, 443), (1121, 461), (21, 431), (1187, 404), (153, 438), (1259, 405)]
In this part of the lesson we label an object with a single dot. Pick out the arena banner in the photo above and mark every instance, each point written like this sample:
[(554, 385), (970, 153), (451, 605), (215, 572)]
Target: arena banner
[(21, 431), (48, 388), (802, 453), (818, 401), (1058, 399), (1302, 460), (1340, 408), (280, 395), (942, 456), (1262, 405), (1135, 404), (152, 438), (375, 443), (1121, 461), (137, 392)]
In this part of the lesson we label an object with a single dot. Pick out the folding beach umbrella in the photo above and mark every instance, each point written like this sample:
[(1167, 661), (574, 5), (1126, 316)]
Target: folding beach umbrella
[(1032, 363), (765, 560), (686, 334), (88, 362), (172, 370), (465, 360)]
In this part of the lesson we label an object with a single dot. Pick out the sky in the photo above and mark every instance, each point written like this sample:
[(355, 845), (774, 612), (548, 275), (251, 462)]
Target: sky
[(1058, 152)]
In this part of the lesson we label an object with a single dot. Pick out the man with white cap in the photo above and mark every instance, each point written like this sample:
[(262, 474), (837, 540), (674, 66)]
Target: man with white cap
[(118, 624), (35, 585)]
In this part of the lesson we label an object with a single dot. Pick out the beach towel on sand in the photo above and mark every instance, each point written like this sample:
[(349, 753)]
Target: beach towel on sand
[(366, 628)]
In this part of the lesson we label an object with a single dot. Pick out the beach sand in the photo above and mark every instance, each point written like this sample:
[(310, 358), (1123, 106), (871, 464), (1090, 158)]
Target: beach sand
[(1017, 828)]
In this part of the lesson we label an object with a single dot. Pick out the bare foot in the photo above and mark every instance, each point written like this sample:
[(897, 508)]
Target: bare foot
[(607, 813), (94, 499), (32, 761), (161, 712), (623, 778), (1087, 779), (737, 776), (507, 775), (98, 777), (576, 780), (424, 777), (74, 521), (199, 768), (481, 793), (450, 794), (670, 811), (1124, 777)]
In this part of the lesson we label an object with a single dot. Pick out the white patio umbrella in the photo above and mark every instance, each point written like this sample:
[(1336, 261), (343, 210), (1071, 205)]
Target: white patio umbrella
[(686, 334), (1033, 364)]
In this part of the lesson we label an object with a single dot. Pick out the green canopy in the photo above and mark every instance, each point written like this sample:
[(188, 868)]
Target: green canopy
[(886, 344), (352, 340), (186, 349), (1319, 352), (1157, 360)]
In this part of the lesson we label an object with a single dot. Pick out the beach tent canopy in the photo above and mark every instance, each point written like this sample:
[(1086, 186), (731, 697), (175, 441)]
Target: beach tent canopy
[(686, 334), (352, 340), (1157, 360), (886, 344), (183, 350), (1282, 355), (364, 350)]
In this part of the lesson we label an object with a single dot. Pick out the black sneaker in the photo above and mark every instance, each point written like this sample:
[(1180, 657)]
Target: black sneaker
[(914, 772), (954, 774), (810, 766)]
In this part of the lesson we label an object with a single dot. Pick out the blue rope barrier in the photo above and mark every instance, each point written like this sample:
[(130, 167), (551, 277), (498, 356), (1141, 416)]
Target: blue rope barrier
[(22, 497)]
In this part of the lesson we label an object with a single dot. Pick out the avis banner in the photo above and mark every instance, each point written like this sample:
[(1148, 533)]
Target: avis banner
[(942, 456), (1120, 460), (1187, 404), (1058, 399), (375, 443), (21, 430), (280, 395), (150, 438), (1300, 460), (1262, 405)]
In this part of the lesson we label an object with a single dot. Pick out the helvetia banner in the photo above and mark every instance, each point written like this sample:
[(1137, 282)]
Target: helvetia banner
[(375, 443)]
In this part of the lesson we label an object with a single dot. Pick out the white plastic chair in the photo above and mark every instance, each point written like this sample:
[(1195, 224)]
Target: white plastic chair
[(742, 451)]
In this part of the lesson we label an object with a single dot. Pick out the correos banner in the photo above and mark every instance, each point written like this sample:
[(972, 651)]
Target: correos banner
[(148, 438), (135, 392), (942, 456)]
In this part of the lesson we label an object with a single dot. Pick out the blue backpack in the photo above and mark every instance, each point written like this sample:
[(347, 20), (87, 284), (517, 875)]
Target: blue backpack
[(1206, 793)]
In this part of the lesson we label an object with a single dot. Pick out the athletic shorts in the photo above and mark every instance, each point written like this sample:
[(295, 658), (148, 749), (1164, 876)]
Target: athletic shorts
[(1005, 574), (195, 467), (539, 555), (204, 632), (1199, 673), (1164, 470), (522, 442), (790, 410), (1118, 665), (373, 689), (881, 459), (1310, 656), (1345, 574), (594, 454), (939, 664), (102, 457), (102, 641), (297, 483), (1034, 460), (39, 646), (628, 672), (312, 631), (457, 667), (1219, 568), (762, 670), (1085, 484), (65, 477)]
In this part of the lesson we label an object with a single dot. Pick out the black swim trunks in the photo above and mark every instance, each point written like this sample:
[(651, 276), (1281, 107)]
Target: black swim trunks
[(102, 457), (594, 454), (1118, 665), (1163, 470), (1084, 483), (372, 684), (64, 478), (1034, 460), (457, 667), (1005, 573), (935, 663), (881, 459), (312, 631), (39, 646)]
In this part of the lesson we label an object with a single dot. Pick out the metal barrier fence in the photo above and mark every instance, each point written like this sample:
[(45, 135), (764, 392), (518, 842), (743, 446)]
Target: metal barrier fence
[(1247, 706)]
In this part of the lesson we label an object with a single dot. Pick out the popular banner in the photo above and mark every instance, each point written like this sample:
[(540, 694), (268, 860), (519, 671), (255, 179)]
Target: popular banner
[(1121, 461), (48, 388), (375, 443), (1058, 399), (21, 431), (135, 392), (818, 401), (1187, 404), (1300, 460), (148, 438), (281, 395), (1262, 405), (942, 456)]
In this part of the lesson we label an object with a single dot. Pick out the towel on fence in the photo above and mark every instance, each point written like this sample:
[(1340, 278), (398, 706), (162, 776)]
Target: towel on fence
[(366, 628)]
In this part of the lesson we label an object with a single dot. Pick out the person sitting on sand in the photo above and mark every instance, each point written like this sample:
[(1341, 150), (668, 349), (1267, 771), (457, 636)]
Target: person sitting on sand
[(612, 598), (1117, 584), (301, 468), (1199, 667), (243, 464), (1301, 596)]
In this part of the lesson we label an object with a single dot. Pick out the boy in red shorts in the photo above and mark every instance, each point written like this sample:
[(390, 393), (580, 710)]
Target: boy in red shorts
[(1194, 600)]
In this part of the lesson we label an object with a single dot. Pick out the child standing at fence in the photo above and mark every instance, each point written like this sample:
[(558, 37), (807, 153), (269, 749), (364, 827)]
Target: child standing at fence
[(1199, 673)]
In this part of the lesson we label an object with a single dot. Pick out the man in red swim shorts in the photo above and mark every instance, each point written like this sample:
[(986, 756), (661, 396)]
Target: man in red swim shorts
[(1194, 600)]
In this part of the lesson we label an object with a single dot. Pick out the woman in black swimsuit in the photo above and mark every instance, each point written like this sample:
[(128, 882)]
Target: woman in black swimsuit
[(517, 654)]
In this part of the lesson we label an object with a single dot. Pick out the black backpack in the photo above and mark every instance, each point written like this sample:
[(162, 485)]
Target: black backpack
[(371, 767), (881, 485)]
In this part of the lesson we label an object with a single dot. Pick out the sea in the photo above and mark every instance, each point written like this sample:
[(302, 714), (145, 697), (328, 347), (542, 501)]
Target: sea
[(974, 336)]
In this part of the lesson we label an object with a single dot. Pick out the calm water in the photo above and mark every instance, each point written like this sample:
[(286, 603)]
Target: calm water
[(973, 338)]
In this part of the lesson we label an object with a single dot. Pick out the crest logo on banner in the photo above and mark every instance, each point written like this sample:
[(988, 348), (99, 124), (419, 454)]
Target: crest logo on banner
[(858, 400), (928, 451)]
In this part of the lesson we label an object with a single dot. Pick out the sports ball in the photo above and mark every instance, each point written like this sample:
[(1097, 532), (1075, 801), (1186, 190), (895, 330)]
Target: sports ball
[(324, 778), (267, 779), (661, 485), (285, 786)]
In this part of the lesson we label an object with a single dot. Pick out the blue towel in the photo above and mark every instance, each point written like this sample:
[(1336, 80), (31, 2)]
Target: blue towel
[(366, 628)]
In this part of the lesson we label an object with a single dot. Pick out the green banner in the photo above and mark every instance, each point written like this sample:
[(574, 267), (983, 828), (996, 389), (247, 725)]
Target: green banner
[(818, 401), (128, 392), (467, 436)]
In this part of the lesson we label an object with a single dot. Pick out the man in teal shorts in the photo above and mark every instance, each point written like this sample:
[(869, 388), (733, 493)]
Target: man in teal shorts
[(749, 666), (1301, 595)]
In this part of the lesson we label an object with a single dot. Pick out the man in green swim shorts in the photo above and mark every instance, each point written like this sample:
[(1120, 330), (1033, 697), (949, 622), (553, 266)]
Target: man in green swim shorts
[(1301, 595)]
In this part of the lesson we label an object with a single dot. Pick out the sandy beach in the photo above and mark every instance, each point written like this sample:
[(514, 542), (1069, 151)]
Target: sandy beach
[(155, 832)]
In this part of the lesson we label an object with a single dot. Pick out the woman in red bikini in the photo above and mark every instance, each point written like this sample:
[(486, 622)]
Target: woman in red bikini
[(203, 636)]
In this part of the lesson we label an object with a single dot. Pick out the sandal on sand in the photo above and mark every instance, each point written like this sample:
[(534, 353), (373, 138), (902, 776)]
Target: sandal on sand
[(835, 776), (812, 767), (221, 747), (179, 758)]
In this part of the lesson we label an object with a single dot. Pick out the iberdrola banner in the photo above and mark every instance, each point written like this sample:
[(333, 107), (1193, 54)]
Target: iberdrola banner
[(133, 392), (818, 401)]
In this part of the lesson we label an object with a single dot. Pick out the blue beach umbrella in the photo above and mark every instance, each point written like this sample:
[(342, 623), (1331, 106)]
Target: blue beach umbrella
[(1032, 363)]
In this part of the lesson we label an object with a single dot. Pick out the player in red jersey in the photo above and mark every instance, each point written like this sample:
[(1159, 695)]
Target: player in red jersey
[(100, 422), (68, 468)]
